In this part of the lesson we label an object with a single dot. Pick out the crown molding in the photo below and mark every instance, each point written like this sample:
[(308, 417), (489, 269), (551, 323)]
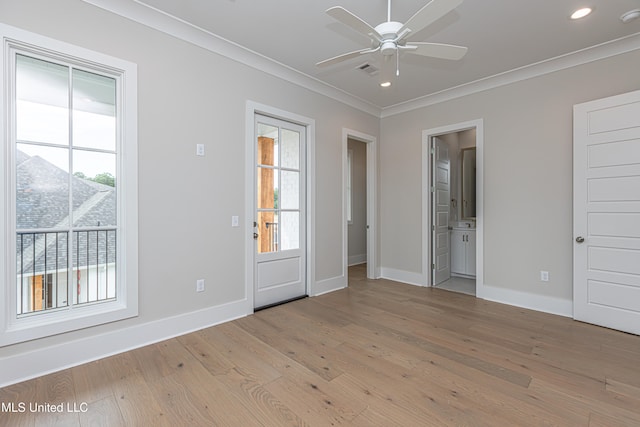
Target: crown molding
[(573, 59), (173, 26)]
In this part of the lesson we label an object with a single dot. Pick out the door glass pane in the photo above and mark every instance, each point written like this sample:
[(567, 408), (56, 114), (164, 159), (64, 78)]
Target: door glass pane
[(290, 190), (267, 145), (42, 101), (267, 191), (94, 188), (267, 230), (290, 149), (94, 111), (42, 186), (290, 230)]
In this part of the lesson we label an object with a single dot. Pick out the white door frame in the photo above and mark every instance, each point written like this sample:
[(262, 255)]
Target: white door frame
[(253, 108), (427, 134), (373, 272)]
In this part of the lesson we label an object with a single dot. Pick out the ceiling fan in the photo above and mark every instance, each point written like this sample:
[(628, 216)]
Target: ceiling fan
[(392, 37)]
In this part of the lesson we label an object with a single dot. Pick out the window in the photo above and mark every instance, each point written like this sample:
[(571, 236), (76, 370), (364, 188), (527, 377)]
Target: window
[(70, 257)]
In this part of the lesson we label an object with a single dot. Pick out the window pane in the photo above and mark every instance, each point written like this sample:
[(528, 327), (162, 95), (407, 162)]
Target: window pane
[(267, 232), (93, 256), (290, 149), (94, 111), (42, 104), (94, 192), (267, 191), (41, 271), (42, 187), (267, 145), (290, 230), (290, 190)]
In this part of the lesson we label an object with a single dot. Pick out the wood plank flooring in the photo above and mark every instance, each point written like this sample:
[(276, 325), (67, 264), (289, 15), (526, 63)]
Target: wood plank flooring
[(376, 354)]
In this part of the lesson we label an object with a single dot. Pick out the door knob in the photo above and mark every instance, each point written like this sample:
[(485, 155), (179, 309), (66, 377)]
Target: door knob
[(255, 236), (579, 239)]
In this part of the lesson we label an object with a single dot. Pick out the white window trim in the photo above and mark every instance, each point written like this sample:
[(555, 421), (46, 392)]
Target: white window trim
[(13, 329)]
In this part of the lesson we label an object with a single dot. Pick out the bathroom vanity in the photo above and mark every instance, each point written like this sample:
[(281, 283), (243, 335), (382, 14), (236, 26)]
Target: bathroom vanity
[(463, 250)]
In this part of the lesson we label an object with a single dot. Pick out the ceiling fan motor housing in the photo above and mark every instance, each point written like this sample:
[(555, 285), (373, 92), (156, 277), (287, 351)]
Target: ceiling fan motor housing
[(389, 33)]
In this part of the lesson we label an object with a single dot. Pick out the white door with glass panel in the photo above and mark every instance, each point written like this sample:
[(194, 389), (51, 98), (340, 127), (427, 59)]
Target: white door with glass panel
[(279, 222), (606, 174)]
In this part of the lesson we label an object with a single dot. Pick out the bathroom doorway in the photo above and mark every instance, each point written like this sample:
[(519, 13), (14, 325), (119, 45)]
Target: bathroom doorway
[(452, 207)]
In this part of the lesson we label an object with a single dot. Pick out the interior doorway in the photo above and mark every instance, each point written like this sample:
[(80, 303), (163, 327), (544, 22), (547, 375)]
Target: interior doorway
[(452, 207), (356, 202), (361, 160)]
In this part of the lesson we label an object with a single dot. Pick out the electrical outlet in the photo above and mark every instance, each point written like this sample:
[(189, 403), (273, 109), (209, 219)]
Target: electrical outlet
[(199, 149), (200, 285), (544, 276)]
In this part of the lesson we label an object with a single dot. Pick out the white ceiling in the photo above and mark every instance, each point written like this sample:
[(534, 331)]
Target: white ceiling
[(501, 35)]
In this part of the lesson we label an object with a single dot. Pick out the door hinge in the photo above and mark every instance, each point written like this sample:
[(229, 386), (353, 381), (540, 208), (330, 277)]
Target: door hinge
[(433, 189), (433, 266), (433, 150), (433, 227)]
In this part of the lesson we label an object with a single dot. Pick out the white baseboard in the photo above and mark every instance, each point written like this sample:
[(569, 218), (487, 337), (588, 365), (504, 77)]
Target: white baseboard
[(357, 259), (25, 366), (328, 285), (543, 303), (407, 277)]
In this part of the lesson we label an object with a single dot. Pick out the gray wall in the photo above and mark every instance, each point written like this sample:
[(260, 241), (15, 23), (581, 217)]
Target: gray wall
[(527, 173), (188, 95)]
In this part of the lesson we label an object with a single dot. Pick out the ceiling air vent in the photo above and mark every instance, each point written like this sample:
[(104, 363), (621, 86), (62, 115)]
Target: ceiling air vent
[(368, 68)]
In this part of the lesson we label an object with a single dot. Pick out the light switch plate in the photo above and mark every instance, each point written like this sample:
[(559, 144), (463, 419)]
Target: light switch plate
[(235, 221)]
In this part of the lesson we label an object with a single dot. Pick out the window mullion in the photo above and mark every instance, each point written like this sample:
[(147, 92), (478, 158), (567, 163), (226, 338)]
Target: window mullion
[(70, 241)]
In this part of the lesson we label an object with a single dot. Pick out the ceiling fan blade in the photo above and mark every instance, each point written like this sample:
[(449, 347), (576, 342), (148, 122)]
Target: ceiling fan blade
[(343, 57), (436, 50), (349, 19), (430, 13)]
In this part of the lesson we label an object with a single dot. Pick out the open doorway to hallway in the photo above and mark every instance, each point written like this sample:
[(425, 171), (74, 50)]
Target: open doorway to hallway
[(356, 202), (359, 200)]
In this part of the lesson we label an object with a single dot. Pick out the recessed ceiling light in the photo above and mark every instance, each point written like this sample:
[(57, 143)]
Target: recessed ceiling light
[(581, 13), (385, 84)]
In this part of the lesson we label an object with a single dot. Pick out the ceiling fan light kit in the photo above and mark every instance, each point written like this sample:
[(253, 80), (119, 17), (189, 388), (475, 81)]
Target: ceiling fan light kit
[(389, 38)]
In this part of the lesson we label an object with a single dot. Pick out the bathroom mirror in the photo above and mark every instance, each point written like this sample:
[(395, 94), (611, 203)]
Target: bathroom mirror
[(468, 180)]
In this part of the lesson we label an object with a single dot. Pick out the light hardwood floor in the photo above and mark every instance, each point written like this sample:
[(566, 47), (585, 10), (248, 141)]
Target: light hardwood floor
[(376, 354)]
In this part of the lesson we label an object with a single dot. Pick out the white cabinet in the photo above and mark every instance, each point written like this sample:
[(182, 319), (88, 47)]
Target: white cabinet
[(463, 252)]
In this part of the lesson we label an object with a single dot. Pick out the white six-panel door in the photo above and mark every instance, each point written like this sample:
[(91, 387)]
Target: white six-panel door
[(606, 210), (441, 266)]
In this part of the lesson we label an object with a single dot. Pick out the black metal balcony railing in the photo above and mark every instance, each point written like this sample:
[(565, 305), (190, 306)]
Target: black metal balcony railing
[(54, 272)]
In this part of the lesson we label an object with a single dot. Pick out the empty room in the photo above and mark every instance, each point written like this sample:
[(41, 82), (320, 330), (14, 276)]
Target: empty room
[(368, 213)]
